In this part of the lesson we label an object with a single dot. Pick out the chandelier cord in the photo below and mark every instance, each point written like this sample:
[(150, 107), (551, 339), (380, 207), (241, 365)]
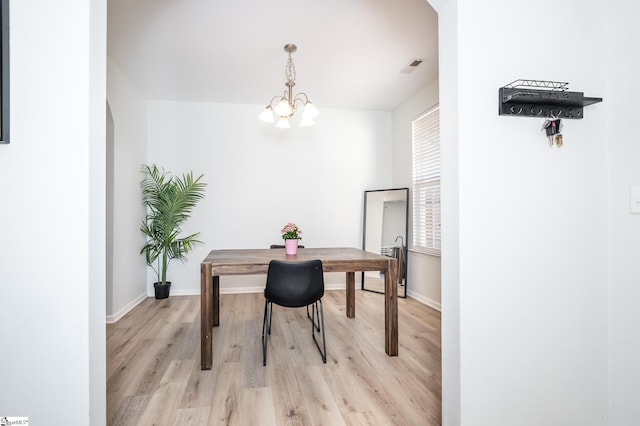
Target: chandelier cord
[(290, 70)]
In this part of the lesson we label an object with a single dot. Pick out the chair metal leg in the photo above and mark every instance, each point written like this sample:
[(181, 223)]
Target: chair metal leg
[(323, 351), (315, 306), (266, 330), (270, 316)]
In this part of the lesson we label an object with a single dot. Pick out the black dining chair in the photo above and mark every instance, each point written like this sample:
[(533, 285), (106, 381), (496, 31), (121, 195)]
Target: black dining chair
[(317, 324), (294, 285)]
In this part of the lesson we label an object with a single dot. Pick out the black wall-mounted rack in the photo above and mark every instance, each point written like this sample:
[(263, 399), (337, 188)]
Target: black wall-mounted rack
[(541, 98)]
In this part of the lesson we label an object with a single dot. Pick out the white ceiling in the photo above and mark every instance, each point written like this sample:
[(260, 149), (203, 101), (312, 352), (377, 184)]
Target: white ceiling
[(351, 53)]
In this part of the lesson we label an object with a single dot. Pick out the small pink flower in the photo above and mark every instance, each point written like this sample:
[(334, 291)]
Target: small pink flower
[(291, 232)]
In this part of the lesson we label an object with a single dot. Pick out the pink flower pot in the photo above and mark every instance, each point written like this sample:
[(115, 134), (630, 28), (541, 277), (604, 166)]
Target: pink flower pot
[(291, 247)]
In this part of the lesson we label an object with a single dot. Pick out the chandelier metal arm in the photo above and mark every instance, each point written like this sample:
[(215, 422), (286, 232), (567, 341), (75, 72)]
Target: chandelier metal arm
[(298, 98), (273, 99)]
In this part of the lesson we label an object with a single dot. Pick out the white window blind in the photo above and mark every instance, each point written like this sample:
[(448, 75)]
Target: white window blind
[(426, 182)]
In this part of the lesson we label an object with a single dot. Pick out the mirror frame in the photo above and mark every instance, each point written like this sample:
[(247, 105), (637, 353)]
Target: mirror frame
[(402, 293)]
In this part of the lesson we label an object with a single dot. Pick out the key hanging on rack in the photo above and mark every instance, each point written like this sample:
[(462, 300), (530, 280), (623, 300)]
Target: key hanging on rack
[(552, 127)]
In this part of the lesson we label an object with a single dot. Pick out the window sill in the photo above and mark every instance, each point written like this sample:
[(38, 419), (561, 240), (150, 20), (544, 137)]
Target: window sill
[(426, 252)]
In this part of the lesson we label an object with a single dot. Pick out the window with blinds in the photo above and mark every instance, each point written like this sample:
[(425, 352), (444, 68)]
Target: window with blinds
[(426, 182)]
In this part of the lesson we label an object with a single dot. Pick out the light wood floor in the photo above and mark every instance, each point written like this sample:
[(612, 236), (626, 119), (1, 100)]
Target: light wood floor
[(154, 376)]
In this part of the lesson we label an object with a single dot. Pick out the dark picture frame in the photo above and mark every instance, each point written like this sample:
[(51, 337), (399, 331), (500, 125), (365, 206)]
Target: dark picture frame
[(4, 71)]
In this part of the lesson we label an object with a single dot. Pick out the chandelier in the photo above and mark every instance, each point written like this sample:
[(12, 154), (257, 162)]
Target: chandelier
[(287, 104)]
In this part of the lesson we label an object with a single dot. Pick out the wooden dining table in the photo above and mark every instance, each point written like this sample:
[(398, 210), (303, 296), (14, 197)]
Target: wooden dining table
[(256, 261)]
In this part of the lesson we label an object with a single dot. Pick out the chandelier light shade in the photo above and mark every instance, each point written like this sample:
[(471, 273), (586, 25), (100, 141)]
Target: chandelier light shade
[(283, 107)]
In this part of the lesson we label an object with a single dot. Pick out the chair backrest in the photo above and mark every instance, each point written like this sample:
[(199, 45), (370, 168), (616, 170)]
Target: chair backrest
[(294, 284), (276, 246)]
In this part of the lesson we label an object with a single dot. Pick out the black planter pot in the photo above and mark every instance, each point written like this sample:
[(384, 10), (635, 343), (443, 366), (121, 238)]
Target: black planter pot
[(162, 291)]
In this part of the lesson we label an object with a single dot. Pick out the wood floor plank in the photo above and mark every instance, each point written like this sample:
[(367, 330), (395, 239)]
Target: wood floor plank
[(225, 401), (163, 405), (256, 407), (287, 393), (129, 410), (318, 396), (154, 376), (200, 388), (192, 416)]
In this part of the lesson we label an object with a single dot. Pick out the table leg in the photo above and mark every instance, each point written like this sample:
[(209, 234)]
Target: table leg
[(215, 302), (351, 294), (391, 308), (206, 299)]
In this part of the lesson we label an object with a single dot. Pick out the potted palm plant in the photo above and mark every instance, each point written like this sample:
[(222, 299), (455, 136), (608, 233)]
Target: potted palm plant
[(169, 201)]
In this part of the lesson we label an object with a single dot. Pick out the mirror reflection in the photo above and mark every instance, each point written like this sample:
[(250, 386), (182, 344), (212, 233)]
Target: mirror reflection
[(385, 226)]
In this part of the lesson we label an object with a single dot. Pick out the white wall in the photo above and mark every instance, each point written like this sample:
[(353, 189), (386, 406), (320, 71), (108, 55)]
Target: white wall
[(129, 110), (52, 245), (623, 144), (423, 271), (525, 225), (261, 177), (449, 184), (97, 30), (403, 116)]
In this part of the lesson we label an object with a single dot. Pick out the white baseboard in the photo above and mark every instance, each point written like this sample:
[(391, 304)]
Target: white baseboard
[(424, 300), (122, 312)]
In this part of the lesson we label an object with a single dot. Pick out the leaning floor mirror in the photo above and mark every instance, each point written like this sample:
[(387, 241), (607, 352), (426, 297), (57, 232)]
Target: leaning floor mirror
[(385, 230)]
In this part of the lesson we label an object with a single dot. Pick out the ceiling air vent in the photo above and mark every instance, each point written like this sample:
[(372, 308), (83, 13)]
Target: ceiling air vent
[(411, 66)]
